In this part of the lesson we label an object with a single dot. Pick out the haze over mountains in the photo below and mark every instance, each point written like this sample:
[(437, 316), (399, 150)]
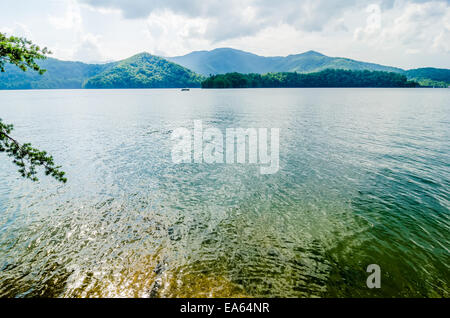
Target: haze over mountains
[(226, 60), (147, 71)]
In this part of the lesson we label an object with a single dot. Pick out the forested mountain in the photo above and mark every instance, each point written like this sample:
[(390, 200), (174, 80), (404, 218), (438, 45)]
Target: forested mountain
[(148, 71), (140, 71), (221, 61), (144, 71), (60, 74), (314, 62), (429, 76), (326, 78), (225, 60)]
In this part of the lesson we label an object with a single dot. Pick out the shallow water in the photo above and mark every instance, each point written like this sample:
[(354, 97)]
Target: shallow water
[(364, 179)]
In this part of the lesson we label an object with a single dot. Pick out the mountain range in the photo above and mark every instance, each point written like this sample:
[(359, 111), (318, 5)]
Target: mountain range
[(148, 71), (226, 60)]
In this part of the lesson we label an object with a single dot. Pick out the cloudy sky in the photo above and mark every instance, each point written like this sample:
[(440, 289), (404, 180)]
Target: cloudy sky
[(403, 33)]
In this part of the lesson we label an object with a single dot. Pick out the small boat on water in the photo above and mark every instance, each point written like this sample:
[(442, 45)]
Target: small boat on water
[(185, 89)]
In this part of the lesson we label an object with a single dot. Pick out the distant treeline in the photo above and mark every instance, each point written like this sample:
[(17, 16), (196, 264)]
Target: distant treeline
[(326, 78)]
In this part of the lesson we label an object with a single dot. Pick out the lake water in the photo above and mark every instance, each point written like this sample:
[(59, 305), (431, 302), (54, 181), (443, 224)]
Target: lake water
[(364, 179)]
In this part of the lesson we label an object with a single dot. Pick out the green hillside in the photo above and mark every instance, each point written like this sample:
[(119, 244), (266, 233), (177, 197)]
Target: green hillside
[(59, 75), (428, 76), (315, 62), (144, 71)]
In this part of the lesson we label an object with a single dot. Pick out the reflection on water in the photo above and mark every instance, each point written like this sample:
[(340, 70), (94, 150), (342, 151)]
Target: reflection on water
[(364, 178)]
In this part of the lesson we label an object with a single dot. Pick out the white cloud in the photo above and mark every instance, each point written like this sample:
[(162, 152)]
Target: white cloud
[(6, 30), (237, 18), (373, 24), (88, 49), (18, 29), (170, 34), (85, 45), (441, 42), (71, 20), (404, 33), (412, 27)]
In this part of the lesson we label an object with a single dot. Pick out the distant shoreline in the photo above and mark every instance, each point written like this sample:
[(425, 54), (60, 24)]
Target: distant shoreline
[(148, 71), (205, 89)]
